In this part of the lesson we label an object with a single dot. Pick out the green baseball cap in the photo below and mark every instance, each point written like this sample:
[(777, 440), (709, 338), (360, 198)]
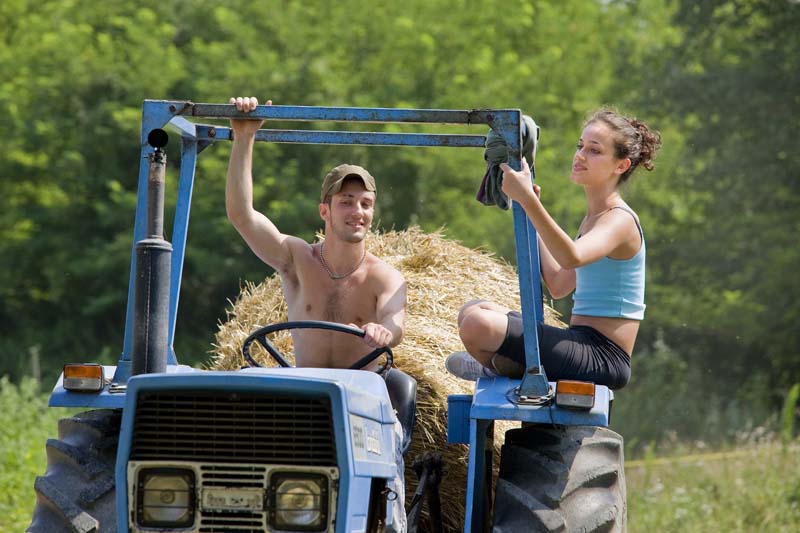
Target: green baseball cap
[(333, 181)]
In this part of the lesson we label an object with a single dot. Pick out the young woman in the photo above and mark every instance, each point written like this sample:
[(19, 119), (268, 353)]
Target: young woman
[(604, 265)]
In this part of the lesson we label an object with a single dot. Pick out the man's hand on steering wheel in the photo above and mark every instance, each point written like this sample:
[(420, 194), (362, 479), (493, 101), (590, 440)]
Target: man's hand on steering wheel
[(375, 335)]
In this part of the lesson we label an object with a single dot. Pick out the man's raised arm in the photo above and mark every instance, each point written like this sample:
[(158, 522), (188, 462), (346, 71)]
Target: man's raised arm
[(263, 237)]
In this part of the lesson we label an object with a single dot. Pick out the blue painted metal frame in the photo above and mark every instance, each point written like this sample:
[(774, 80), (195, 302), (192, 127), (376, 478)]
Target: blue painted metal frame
[(195, 137)]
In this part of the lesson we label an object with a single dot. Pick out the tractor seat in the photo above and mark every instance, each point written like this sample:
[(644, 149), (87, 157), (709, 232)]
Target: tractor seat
[(402, 390)]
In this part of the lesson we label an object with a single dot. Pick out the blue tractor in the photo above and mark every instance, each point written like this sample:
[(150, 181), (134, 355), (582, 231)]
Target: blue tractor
[(165, 447)]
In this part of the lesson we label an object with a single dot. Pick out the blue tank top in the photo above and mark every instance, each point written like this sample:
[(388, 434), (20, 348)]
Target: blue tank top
[(612, 287)]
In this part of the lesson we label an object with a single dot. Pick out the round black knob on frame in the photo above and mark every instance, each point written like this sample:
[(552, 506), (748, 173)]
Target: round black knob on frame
[(157, 138)]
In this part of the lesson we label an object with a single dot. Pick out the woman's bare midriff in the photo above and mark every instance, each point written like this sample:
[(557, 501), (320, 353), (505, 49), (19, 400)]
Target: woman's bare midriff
[(620, 330)]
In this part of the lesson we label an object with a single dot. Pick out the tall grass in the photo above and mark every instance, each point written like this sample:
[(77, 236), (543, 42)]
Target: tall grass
[(755, 489), (25, 425)]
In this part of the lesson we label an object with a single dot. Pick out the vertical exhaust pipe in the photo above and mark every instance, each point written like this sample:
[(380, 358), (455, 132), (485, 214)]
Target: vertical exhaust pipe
[(153, 259)]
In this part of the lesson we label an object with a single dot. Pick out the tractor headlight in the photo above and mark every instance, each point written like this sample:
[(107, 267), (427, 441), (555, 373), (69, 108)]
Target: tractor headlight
[(299, 501), (165, 497)]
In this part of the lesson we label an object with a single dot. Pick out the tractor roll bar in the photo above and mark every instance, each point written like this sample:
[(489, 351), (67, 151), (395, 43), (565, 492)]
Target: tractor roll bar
[(180, 116)]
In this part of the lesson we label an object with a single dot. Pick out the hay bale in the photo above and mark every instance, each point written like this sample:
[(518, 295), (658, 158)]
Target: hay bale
[(442, 275)]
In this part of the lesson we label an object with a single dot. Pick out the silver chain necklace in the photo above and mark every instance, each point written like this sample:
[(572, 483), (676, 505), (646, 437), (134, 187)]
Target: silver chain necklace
[(328, 269)]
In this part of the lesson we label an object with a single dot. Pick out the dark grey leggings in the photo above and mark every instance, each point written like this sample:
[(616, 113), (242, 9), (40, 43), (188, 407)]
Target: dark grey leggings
[(576, 352)]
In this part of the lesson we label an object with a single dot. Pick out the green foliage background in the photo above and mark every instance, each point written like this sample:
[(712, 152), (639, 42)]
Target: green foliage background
[(22, 451), (719, 347)]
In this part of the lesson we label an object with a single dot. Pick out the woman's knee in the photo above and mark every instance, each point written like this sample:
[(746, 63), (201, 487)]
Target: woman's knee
[(472, 325), (479, 306), (483, 328), (468, 308)]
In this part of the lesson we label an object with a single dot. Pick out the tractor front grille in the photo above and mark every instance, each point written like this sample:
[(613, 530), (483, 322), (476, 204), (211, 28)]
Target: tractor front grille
[(233, 521), (234, 428)]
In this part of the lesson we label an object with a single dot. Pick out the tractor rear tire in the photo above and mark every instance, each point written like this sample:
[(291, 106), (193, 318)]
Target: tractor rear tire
[(77, 493), (561, 479)]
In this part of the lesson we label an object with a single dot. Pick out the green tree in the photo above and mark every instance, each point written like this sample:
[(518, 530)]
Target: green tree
[(724, 284), (72, 105)]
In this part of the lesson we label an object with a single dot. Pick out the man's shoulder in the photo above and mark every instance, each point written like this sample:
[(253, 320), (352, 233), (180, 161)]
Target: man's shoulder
[(385, 272), (300, 253), (299, 247)]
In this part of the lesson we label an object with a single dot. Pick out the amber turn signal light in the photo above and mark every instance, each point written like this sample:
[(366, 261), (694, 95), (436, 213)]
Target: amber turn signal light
[(575, 394), (83, 377)]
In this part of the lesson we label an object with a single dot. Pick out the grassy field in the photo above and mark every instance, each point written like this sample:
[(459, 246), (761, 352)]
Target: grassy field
[(25, 425), (755, 488)]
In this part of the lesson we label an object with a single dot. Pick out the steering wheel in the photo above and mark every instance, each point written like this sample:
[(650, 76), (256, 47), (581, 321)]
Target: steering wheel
[(260, 335)]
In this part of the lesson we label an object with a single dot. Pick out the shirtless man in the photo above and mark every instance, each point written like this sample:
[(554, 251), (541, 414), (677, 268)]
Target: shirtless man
[(335, 281)]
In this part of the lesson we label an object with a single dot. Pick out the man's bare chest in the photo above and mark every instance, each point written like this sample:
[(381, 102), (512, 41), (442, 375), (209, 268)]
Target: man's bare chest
[(321, 298), (344, 304)]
